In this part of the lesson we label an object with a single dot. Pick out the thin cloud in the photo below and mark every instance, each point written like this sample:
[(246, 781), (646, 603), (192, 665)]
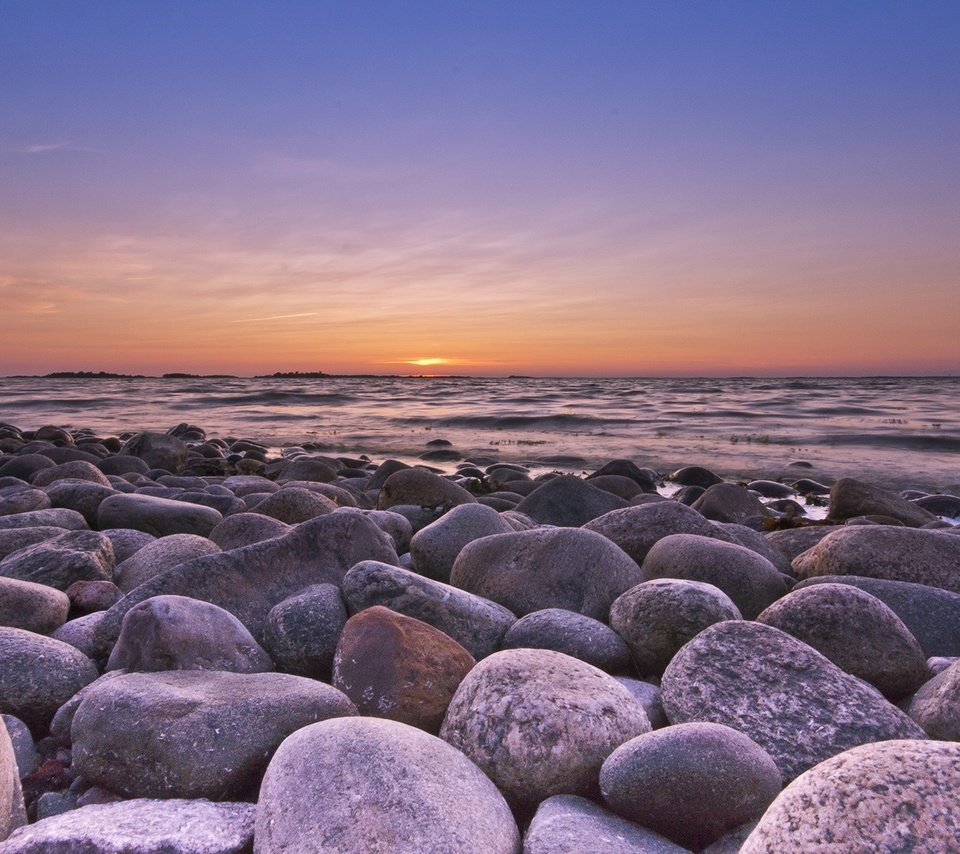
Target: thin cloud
[(274, 317), (45, 147)]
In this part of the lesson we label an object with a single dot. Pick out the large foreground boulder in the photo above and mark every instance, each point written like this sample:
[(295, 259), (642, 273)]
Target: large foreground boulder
[(190, 734), (886, 552), (527, 571), (141, 825), (365, 784), (249, 581), (12, 812), (786, 696), (893, 796), (540, 723)]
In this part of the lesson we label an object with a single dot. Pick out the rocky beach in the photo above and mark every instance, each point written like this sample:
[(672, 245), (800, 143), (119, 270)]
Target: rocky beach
[(214, 643)]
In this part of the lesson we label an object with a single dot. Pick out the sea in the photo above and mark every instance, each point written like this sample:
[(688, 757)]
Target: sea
[(897, 431)]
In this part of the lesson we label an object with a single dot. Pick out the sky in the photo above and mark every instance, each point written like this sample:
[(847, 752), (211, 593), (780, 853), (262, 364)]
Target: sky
[(525, 187)]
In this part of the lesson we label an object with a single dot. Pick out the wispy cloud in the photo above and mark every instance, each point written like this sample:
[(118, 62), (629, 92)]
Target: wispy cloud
[(274, 317), (46, 147)]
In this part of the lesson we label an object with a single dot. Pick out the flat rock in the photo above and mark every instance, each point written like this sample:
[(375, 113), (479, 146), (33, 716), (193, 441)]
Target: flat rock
[(658, 617), (393, 666), (62, 560), (302, 631), (179, 633), (158, 516), (435, 547), (569, 824), (795, 703), (143, 825), (159, 555), (192, 734), (365, 784), (850, 498), (35, 607), (525, 571), (892, 796), (635, 529), (249, 581), (473, 621), (572, 634), (38, 675), (749, 579), (540, 723), (568, 501), (690, 782), (856, 631), (880, 551)]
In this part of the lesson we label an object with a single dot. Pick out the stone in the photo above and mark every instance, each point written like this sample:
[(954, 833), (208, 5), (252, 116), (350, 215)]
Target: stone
[(690, 782), (158, 516), (22, 499), (525, 571), (249, 581), (54, 517), (435, 547), (623, 487), (540, 723), (856, 631), (24, 466), (89, 596), (474, 622), (749, 579), (647, 695), (38, 675), (179, 633), (569, 824), (695, 476), (366, 784), (568, 501), (772, 489), (122, 464), (656, 618), (143, 825), (757, 542), (24, 748), (931, 614), (157, 450), (646, 479), (850, 498), (893, 796), (421, 488), (192, 734), (302, 631), (936, 706), (318, 469), (393, 666), (244, 529), (795, 703), (156, 557), (635, 529), (35, 607), (76, 470), (572, 634), (62, 560), (793, 541), (80, 633), (14, 539), (126, 541), (728, 502), (396, 525), (293, 504), (12, 811), (894, 554)]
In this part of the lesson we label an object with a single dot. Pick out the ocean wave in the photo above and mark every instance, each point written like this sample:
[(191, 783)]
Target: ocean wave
[(278, 397), (893, 441), (514, 422)]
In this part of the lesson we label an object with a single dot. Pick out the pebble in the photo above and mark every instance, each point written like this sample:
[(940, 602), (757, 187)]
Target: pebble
[(493, 618)]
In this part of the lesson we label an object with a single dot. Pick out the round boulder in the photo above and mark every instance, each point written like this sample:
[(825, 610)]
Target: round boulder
[(658, 617), (35, 607), (435, 547), (180, 633), (421, 488), (690, 782), (856, 631), (244, 529), (366, 784), (302, 631), (526, 571), (568, 501), (159, 555), (889, 796), (936, 706), (540, 723)]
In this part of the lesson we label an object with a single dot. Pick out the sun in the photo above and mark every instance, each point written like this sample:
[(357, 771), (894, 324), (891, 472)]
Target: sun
[(426, 363)]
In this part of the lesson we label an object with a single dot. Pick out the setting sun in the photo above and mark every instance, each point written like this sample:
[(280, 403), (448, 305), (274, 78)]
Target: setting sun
[(425, 363)]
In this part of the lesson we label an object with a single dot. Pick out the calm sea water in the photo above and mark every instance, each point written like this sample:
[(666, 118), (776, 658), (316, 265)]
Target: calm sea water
[(895, 430)]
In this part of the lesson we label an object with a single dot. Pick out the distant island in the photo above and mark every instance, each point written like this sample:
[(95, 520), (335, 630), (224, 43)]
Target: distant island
[(91, 375), (292, 375)]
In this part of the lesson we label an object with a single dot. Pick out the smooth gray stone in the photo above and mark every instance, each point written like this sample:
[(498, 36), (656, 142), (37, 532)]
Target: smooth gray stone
[(850, 498), (62, 560), (572, 634), (569, 502), (157, 516), (54, 517), (435, 547), (158, 556)]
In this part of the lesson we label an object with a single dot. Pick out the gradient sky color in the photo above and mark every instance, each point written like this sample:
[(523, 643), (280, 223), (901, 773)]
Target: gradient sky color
[(589, 188)]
